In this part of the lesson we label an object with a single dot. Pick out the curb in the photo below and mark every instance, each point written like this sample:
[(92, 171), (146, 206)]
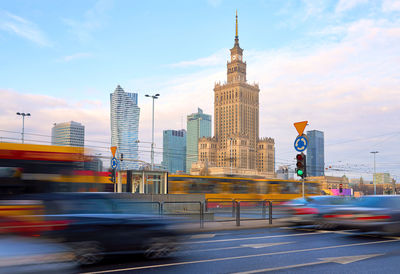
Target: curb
[(230, 227)]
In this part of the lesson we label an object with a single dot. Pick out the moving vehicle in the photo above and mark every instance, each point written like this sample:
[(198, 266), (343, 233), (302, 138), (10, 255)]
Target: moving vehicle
[(310, 210), (31, 255), (27, 168), (369, 213), (99, 224), (219, 188)]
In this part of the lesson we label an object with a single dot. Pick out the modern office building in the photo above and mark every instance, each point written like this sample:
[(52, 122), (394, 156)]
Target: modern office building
[(382, 178), (198, 126), (236, 147), (174, 150), (315, 153), (68, 134), (125, 113)]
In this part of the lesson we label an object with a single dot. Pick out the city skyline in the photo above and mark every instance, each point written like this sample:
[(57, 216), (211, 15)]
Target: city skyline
[(333, 64)]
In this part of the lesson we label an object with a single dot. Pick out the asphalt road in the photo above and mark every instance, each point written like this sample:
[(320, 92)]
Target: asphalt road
[(282, 250)]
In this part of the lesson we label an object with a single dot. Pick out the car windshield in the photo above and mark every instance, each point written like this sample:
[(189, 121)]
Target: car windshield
[(330, 200), (377, 201), (126, 206), (84, 206)]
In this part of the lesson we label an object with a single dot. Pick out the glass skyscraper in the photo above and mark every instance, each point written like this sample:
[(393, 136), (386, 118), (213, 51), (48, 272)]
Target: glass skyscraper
[(198, 126), (68, 134), (174, 150), (315, 153), (125, 126)]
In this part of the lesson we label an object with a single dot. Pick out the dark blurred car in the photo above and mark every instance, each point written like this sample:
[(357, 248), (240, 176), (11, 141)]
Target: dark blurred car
[(310, 210), (98, 224), (370, 213), (31, 255)]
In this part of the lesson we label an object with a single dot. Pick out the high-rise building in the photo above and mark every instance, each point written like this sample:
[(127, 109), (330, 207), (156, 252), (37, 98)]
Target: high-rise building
[(381, 178), (174, 150), (315, 153), (125, 113), (237, 144), (198, 126), (68, 134)]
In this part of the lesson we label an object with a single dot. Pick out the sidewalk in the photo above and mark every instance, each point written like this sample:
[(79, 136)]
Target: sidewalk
[(231, 225)]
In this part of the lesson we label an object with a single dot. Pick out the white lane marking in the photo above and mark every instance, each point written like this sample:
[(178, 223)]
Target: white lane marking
[(241, 246), (238, 257), (255, 238), (265, 245), (202, 236), (339, 260)]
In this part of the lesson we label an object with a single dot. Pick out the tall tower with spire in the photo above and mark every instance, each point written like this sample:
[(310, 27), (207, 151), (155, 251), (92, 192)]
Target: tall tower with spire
[(236, 121)]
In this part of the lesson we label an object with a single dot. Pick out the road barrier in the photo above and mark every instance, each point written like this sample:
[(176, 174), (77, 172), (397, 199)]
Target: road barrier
[(237, 205), (204, 207), (201, 209)]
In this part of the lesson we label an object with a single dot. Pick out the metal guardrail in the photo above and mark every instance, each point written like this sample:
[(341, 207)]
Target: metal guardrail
[(201, 209), (236, 208)]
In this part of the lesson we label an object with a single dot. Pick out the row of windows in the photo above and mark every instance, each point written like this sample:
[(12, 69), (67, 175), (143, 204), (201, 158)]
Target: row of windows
[(242, 186)]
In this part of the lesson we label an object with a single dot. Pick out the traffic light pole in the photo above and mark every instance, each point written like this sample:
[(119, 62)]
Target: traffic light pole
[(302, 186)]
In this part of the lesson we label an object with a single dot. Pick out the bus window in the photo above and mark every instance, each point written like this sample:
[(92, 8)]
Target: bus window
[(262, 187), (289, 187), (240, 187), (312, 188)]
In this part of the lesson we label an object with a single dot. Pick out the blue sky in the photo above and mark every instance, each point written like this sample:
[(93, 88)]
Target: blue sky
[(335, 64)]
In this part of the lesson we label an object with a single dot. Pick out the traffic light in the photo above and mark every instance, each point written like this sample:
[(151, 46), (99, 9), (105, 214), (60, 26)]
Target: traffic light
[(112, 176), (301, 165), (341, 188), (122, 157)]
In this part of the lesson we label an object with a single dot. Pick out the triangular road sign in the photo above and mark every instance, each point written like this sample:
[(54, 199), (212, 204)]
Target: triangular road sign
[(300, 126), (113, 150)]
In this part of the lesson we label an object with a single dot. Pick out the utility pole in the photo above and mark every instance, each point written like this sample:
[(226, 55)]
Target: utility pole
[(373, 176)]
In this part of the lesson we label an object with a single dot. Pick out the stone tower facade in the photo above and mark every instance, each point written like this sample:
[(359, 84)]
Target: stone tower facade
[(236, 144)]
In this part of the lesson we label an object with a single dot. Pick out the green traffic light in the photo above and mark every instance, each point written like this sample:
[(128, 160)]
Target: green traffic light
[(300, 172)]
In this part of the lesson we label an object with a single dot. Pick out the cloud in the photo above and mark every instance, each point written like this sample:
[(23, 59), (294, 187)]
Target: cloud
[(47, 110), (214, 3), (215, 59), (92, 20), (390, 5), (76, 56), (346, 5), (23, 28), (347, 87)]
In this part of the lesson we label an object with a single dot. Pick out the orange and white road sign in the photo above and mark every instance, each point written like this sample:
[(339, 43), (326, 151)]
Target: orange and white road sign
[(300, 126), (113, 150)]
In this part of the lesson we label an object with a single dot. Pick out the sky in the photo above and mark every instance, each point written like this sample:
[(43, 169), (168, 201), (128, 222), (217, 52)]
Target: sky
[(334, 63)]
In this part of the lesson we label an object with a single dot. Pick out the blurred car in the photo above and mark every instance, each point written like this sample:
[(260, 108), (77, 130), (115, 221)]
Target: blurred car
[(30, 255), (370, 213), (98, 224), (310, 210)]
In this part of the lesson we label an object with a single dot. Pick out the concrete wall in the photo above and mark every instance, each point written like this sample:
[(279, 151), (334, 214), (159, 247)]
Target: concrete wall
[(172, 204)]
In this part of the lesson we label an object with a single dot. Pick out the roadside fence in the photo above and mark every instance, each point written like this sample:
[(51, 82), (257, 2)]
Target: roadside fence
[(221, 210)]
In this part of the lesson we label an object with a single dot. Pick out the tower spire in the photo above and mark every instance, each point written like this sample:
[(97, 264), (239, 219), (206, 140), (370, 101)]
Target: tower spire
[(237, 35)]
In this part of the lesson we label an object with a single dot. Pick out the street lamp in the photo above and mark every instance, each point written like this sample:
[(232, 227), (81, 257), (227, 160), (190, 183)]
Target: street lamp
[(373, 176), (152, 130), (23, 122)]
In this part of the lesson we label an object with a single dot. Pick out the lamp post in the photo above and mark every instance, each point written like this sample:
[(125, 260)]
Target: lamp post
[(23, 122), (373, 176), (152, 129)]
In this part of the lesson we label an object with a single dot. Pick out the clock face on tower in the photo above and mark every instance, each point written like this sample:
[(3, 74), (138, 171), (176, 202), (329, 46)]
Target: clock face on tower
[(233, 57), (240, 57)]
